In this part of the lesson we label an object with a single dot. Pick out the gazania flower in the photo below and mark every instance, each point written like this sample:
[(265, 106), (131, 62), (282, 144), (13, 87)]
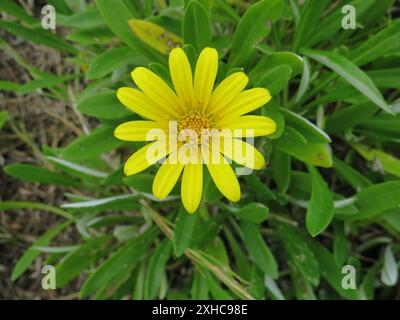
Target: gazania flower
[(196, 107)]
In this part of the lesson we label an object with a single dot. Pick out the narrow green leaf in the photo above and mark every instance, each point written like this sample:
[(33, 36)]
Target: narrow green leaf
[(330, 270), (387, 162), (253, 212), (156, 268), (348, 174), (275, 79), (352, 74), (320, 208), (32, 173), (299, 253), (377, 199), (104, 105), (185, 226), (116, 15), (383, 43), (196, 26), (122, 261), (76, 261), (3, 118), (281, 169), (93, 145), (318, 154), (17, 11), (258, 250), (38, 36), (310, 131), (252, 27), (31, 254), (390, 271), (310, 14)]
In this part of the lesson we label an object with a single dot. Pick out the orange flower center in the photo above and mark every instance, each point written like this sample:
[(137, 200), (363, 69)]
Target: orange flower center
[(195, 121)]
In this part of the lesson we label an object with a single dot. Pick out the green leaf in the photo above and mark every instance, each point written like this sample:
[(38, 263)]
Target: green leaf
[(275, 79), (252, 28), (307, 129), (87, 19), (196, 26), (217, 292), (318, 154), (277, 59), (199, 290), (349, 116), (348, 174), (351, 73), (111, 60), (185, 226), (31, 254), (330, 270), (383, 43), (271, 110), (76, 261), (140, 182), (341, 247), (387, 162), (3, 118), (32, 173), (241, 260), (38, 36), (116, 15), (8, 85), (320, 208), (76, 168), (104, 105), (261, 190), (45, 82), (258, 250), (386, 78), (310, 14), (254, 212), (281, 170), (299, 253), (155, 36), (12, 205), (121, 202), (95, 36), (156, 268), (17, 11), (93, 145), (390, 271), (377, 199), (304, 82), (122, 261)]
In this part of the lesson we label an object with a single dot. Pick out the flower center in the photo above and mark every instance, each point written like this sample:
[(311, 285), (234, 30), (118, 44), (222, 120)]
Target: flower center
[(195, 121)]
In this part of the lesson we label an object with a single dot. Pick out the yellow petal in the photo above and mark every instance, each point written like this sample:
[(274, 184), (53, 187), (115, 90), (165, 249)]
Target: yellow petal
[(247, 126), (146, 156), (242, 153), (192, 186), (140, 131), (224, 178), (139, 103), (245, 102), (182, 78), (204, 77), (227, 91), (166, 177), (157, 90)]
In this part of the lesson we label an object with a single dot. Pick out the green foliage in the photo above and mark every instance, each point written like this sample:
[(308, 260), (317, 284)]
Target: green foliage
[(329, 195)]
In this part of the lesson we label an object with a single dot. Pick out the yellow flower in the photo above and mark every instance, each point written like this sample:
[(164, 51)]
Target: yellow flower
[(196, 108)]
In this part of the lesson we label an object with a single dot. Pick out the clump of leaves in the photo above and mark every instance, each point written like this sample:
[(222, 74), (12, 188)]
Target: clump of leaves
[(329, 197)]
